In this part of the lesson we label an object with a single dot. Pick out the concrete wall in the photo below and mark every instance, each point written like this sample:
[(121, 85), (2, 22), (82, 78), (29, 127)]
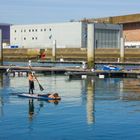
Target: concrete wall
[(42, 35), (80, 54)]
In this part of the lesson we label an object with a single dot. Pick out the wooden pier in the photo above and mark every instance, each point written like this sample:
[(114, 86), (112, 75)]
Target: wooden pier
[(72, 72), (19, 70)]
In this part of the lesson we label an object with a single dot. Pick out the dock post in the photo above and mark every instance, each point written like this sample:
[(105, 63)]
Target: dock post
[(91, 46), (54, 51), (1, 48), (122, 50)]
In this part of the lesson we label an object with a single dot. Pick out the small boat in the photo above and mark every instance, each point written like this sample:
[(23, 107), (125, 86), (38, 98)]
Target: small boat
[(37, 96), (111, 68)]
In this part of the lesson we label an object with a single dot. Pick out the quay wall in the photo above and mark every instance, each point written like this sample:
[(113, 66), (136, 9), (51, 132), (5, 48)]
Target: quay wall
[(70, 54)]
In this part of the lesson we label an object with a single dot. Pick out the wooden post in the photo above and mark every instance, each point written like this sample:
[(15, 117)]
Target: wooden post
[(54, 51), (91, 46)]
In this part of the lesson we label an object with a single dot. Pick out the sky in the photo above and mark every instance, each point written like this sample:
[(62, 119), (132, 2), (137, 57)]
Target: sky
[(54, 11)]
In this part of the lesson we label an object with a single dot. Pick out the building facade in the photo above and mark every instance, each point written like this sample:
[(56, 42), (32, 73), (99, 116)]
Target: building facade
[(107, 35), (131, 27), (67, 35)]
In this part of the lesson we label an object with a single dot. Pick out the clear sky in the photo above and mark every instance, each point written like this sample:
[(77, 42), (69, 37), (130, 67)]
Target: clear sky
[(53, 11)]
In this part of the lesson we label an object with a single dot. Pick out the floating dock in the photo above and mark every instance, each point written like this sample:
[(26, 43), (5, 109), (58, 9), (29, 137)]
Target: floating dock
[(73, 72), (104, 74)]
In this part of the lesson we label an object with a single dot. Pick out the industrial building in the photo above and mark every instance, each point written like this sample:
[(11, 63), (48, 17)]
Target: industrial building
[(67, 35), (131, 27), (71, 34)]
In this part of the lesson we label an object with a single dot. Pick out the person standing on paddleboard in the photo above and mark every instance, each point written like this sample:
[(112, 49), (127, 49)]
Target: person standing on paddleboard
[(31, 82)]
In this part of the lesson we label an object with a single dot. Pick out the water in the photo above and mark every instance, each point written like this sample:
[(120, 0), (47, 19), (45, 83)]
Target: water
[(100, 109)]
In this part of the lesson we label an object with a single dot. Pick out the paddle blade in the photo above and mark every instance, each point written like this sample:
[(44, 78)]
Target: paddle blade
[(41, 88)]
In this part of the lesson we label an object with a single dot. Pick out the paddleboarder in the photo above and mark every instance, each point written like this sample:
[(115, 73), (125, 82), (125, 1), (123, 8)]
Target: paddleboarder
[(31, 79)]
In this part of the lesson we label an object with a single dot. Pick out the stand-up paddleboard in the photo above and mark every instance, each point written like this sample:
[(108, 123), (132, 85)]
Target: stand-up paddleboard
[(37, 96)]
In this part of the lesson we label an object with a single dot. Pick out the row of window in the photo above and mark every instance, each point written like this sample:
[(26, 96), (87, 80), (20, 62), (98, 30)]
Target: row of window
[(33, 38), (33, 30)]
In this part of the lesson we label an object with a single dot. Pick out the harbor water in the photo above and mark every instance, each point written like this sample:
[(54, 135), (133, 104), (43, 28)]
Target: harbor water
[(93, 108)]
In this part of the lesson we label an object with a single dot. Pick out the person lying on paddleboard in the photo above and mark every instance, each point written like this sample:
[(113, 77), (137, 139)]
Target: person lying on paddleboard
[(52, 96), (31, 79)]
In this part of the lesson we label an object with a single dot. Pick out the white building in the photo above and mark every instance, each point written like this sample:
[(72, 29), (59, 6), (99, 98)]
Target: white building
[(67, 35), (71, 34)]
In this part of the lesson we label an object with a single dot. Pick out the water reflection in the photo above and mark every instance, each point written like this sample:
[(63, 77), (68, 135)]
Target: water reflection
[(90, 101), (1, 106), (32, 112), (130, 89), (1, 98), (31, 109), (4, 80), (88, 95)]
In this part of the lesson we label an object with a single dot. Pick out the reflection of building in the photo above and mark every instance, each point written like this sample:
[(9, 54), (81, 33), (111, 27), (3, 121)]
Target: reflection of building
[(88, 94), (131, 27), (130, 89)]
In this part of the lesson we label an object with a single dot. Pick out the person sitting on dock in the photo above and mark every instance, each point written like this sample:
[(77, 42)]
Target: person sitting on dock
[(31, 82)]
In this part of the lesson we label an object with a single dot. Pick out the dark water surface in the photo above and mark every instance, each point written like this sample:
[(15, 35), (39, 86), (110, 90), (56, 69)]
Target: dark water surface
[(90, 109)]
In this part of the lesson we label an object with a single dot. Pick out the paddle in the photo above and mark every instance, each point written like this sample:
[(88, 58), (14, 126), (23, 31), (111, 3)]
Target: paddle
[(41, 88)]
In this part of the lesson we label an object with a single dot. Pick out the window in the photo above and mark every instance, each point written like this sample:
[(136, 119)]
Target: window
[(44, 29), (29, 30), (24, 38), (32, 30), (36, 30), (15, 31), (32, 38)]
